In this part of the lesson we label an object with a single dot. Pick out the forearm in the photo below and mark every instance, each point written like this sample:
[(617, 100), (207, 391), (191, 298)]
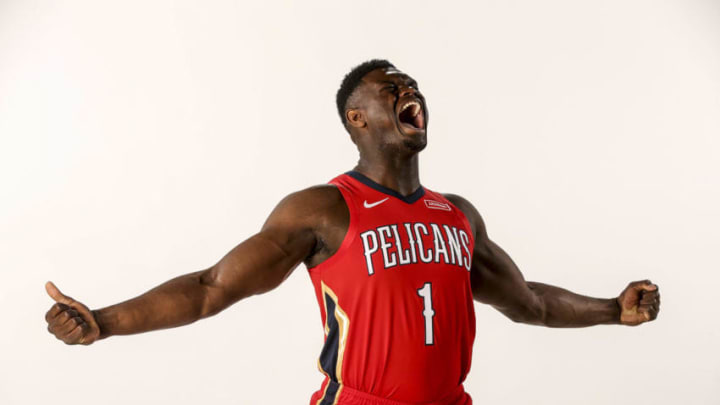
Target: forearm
[(176, 302), (564, 309)]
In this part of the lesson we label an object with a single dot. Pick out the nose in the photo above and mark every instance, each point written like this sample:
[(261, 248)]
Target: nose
[(406, 91)]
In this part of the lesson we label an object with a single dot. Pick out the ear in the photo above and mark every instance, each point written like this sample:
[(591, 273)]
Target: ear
[(355, 118)]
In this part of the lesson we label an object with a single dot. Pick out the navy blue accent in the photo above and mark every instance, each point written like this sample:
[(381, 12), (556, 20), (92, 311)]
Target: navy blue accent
[(330, 393), (329, 353), (379, 187)]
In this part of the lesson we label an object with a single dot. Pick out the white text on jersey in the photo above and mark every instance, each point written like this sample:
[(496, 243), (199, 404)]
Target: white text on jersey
[(405, 243)]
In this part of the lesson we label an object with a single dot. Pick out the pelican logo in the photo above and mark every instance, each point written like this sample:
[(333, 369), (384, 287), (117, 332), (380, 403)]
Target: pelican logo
[(437, 205)]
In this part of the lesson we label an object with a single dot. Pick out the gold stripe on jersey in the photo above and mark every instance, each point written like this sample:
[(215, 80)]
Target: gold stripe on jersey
[(343, 326)]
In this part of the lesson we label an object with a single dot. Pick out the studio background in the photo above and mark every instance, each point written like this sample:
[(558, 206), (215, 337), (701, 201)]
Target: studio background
[(143, 140)]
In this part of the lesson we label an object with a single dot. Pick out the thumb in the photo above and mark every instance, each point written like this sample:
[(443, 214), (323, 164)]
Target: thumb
[(645, 285), (56, 294)]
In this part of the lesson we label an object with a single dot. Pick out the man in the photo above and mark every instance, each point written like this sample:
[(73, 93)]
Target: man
[(396, 267)]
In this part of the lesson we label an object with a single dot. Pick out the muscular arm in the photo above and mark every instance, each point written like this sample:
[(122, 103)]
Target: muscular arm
[(257, 265), (497, 281)]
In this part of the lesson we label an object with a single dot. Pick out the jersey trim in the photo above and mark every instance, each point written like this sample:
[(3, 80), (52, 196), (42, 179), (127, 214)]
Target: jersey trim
[(416, 195), (349, 235), (337, 325), (465, 220)]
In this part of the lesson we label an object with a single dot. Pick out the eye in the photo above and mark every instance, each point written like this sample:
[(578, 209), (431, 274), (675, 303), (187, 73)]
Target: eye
[(391, 87)]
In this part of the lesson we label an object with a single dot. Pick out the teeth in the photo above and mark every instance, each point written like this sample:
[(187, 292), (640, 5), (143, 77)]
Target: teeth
[(416, 107)]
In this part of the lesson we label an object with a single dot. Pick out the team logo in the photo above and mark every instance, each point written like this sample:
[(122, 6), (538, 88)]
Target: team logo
[(437, 205), (370, 205)]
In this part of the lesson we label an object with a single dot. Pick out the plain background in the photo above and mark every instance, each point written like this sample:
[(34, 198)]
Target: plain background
[(143, 140)]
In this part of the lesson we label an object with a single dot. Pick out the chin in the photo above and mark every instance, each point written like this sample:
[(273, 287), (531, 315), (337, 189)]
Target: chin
[(415, 144)]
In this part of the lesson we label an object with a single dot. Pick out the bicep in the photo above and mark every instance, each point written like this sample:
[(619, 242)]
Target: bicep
[(494, 277), (263, 261), (497, 281)]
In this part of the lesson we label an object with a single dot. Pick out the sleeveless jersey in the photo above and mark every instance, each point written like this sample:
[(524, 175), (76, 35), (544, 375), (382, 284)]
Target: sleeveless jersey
[(395, 300)]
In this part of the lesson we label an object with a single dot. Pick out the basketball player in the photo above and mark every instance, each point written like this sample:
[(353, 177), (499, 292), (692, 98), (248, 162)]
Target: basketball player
[(395, 266)]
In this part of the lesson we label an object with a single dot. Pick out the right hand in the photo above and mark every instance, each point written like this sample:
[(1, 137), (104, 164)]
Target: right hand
[(69, 320)]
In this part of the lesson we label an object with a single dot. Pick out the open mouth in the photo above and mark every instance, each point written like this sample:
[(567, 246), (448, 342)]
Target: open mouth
[(411, 114)]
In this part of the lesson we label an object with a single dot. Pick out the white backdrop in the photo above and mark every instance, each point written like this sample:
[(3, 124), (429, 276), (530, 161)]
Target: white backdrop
[(143, 140)]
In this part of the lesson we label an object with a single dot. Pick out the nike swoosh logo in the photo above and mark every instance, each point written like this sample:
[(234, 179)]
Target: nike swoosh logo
[(365, 203)]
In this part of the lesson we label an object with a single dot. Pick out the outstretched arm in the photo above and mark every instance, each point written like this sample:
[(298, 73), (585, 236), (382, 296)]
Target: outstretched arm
[(257, 265), (497, 281)]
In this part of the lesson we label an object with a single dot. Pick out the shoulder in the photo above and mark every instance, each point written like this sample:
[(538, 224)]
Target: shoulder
[(310, 207), (320, 211), (313, 197), (471, 213)]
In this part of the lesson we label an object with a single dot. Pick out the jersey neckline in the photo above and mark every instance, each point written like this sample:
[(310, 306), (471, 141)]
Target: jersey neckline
[(379, 187)]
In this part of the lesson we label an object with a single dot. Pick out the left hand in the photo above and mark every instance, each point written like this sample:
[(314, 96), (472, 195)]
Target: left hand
[(639, 302)]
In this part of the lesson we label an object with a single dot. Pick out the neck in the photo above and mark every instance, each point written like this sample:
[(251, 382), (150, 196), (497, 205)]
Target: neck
[(396, 173)]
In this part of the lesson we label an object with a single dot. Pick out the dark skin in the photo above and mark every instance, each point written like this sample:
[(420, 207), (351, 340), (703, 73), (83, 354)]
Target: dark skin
[(308, 226)]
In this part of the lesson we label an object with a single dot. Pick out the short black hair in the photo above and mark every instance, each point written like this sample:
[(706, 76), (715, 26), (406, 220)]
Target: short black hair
[(352, 79)]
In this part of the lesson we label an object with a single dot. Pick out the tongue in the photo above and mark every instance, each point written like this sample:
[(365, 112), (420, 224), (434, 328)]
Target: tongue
[(419, 120)]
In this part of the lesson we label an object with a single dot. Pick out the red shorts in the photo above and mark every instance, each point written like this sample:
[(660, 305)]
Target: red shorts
[(350, 396)]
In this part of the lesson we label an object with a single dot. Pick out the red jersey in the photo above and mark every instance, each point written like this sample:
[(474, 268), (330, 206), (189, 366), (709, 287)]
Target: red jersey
[(395, 300)]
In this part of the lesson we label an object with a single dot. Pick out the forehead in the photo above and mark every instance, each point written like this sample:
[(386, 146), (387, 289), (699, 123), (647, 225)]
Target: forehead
[(387, 74)]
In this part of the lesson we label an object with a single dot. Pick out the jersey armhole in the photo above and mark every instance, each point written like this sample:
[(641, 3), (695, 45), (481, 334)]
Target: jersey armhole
[(349, 235), (465, 220)]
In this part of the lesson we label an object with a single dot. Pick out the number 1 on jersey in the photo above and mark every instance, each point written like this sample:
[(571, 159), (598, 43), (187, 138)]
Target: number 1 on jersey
[(428, 312)]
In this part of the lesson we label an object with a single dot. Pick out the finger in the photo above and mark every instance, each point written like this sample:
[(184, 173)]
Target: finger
[(650, 287), (85, 338), (654, 310), (649, 312), (55, 294), (68, 326), (61, 324), (55, 323), (72, 313), (643, 312), (648, 298), (70, 334), (73, 336), (643, 285), (64, 316), (647, 306), (639, 282), (55, 310), (646, 302), (650, 293)]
